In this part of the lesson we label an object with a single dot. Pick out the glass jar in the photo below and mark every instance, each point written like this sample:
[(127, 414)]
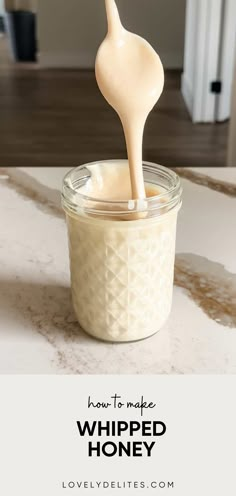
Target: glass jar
[(122, 254)]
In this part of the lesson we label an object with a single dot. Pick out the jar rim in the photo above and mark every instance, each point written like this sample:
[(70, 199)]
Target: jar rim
[(76, 202)]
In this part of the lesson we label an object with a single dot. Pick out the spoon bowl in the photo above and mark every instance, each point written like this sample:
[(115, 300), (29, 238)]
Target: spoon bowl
[(123, 77)]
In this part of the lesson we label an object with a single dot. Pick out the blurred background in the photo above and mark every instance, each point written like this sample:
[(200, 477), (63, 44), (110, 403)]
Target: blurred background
[(52, 113)]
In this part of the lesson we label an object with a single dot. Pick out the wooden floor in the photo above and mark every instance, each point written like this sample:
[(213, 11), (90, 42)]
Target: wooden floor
[(50, 118)]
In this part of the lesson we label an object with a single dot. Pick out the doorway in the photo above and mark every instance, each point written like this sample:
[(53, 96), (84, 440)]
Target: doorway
[(209, 59)]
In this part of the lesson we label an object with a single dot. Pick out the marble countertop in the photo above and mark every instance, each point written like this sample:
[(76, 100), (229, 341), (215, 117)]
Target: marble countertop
[(38, 330)]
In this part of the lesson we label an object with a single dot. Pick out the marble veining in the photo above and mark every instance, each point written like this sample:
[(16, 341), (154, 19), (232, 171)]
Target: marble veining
[(38, 329), (210, 285), (47, 199), (207, 181)]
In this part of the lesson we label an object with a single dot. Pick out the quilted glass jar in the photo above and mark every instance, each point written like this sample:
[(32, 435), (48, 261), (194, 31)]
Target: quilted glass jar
[(122, 254)]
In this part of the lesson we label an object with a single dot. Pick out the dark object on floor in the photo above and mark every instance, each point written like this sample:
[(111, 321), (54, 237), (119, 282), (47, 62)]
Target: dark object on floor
[(20, 26), (2, 24)]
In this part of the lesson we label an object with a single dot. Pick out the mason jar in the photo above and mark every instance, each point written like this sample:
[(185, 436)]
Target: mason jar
[(122, 253)]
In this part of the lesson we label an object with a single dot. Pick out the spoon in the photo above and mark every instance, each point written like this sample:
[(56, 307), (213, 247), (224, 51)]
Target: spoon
[(130, 76)]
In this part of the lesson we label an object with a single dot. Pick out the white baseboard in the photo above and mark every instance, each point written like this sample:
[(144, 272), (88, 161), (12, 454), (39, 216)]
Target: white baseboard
[(66, 60), (86, 60), (187, 93)]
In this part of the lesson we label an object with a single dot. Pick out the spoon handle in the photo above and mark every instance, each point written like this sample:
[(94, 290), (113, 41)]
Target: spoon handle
[(134, 144), (113, 18)]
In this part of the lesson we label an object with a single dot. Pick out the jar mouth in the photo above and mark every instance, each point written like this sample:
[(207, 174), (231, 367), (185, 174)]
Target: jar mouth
[(81, 203)]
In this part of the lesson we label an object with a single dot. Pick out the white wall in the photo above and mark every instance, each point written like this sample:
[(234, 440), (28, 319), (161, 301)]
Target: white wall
[(161, 22), (189, 60), (227, 53), (232, 133), (70, 32)]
